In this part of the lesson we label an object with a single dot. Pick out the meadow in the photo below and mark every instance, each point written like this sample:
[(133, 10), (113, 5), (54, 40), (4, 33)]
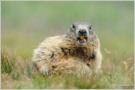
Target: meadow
[(25, 24)]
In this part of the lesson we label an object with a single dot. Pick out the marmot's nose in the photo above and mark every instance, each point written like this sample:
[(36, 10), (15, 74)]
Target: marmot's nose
[(82, 32)]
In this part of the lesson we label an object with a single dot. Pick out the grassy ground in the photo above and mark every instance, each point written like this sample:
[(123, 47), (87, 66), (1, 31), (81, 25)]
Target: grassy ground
[(26, 24), (16, 73)]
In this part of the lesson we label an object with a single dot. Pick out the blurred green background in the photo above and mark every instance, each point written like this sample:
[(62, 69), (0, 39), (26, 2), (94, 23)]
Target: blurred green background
[(26, 24)]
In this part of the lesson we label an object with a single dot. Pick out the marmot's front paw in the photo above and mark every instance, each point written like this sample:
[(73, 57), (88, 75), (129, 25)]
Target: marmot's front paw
[(44, 70)]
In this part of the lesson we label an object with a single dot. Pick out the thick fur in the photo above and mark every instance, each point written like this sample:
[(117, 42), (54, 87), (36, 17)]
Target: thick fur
[(62, 54)]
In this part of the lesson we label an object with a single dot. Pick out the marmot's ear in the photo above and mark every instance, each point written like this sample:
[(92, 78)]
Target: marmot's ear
[(90, 28), (73, 26), (71, 32)]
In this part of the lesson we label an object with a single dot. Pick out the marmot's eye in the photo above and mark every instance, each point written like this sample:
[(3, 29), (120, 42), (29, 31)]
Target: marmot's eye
[(73, 26), (90, 27)]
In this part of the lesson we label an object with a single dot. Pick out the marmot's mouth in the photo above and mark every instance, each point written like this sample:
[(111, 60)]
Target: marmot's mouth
[(82, 39)]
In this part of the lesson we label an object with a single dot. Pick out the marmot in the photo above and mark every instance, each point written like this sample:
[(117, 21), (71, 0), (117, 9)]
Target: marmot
[(76, 52)]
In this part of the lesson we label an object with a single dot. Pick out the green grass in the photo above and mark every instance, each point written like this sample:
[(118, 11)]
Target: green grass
[(115, 75), (26, 24)]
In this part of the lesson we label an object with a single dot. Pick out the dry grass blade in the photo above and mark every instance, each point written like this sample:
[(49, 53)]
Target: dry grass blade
[(7, 61)]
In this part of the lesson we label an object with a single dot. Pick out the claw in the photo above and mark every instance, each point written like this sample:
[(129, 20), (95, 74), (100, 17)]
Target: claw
[(44, 70)]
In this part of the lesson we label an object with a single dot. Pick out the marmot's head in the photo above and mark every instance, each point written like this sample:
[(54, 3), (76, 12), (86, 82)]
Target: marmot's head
[(80, 31)]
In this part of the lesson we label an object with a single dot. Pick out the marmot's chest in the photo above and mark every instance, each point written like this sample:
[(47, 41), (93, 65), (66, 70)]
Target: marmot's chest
[(82, 53)]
